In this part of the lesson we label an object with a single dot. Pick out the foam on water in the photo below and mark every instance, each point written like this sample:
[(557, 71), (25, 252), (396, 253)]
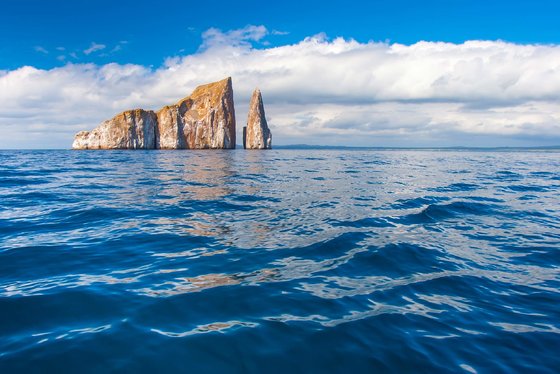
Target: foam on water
[(280, 261)]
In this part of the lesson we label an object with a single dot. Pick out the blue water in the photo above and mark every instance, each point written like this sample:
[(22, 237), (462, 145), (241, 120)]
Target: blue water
[(279, 261)]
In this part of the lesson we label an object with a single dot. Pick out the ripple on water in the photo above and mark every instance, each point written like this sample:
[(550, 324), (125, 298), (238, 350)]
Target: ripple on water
[(315, 260)]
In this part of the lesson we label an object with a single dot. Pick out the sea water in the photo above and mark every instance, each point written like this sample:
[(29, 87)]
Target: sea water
[(279, 261)]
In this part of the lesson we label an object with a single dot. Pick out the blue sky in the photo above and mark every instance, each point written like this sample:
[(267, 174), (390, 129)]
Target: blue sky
[(376, 73), (146, 32)]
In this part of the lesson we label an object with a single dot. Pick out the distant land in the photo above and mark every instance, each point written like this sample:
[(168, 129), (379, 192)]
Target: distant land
[(457, 148)]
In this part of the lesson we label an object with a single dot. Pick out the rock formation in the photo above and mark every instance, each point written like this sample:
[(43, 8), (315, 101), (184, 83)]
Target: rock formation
[(133, 129), (205, 119), (256, 135)]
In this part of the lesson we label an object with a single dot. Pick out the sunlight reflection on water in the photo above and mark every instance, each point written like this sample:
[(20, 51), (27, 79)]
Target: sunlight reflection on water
[(428, 259)]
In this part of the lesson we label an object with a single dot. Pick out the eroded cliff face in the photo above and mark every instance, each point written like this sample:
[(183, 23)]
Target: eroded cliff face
[(133, 129), (257, 135), (205, 119)]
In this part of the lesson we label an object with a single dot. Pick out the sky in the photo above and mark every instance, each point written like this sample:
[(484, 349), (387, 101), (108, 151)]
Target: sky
[(376, 73)]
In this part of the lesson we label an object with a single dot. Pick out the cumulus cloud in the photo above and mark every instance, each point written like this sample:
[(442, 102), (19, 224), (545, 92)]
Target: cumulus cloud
[(316, 91), (94, 47)]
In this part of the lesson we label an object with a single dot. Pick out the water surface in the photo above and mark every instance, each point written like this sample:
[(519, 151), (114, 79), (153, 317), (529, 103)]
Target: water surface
[(279, 261)]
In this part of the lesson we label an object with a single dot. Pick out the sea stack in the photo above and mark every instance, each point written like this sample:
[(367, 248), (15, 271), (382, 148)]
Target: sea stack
[(257, 135), (203, 120), (133, 129)]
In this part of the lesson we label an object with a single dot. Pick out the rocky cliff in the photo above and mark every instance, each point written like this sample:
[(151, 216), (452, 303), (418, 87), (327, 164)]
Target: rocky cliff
[(133, 129), (257, 135), (205, 119)]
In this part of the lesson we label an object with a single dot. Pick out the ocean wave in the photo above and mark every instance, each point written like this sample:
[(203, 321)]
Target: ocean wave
[(297, 260)]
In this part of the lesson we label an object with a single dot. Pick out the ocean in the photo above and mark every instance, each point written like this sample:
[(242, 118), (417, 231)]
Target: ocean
[(280, 261)]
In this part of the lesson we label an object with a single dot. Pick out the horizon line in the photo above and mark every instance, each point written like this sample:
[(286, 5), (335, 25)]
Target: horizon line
[(317, 147)]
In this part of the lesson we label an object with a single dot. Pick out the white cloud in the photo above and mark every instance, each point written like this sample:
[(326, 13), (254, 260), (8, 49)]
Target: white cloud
[(119, 46), (94, 47), (41, 49), (213, 37), (316, 91)]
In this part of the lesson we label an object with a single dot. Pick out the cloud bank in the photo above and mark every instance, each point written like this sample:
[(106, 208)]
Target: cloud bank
[(317, 91)]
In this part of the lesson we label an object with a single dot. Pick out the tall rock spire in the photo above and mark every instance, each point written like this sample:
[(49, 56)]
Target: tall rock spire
[(257, 135)]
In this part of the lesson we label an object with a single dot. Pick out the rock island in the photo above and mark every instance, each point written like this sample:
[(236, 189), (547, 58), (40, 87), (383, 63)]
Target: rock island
[(256, 135), (203, 120)]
